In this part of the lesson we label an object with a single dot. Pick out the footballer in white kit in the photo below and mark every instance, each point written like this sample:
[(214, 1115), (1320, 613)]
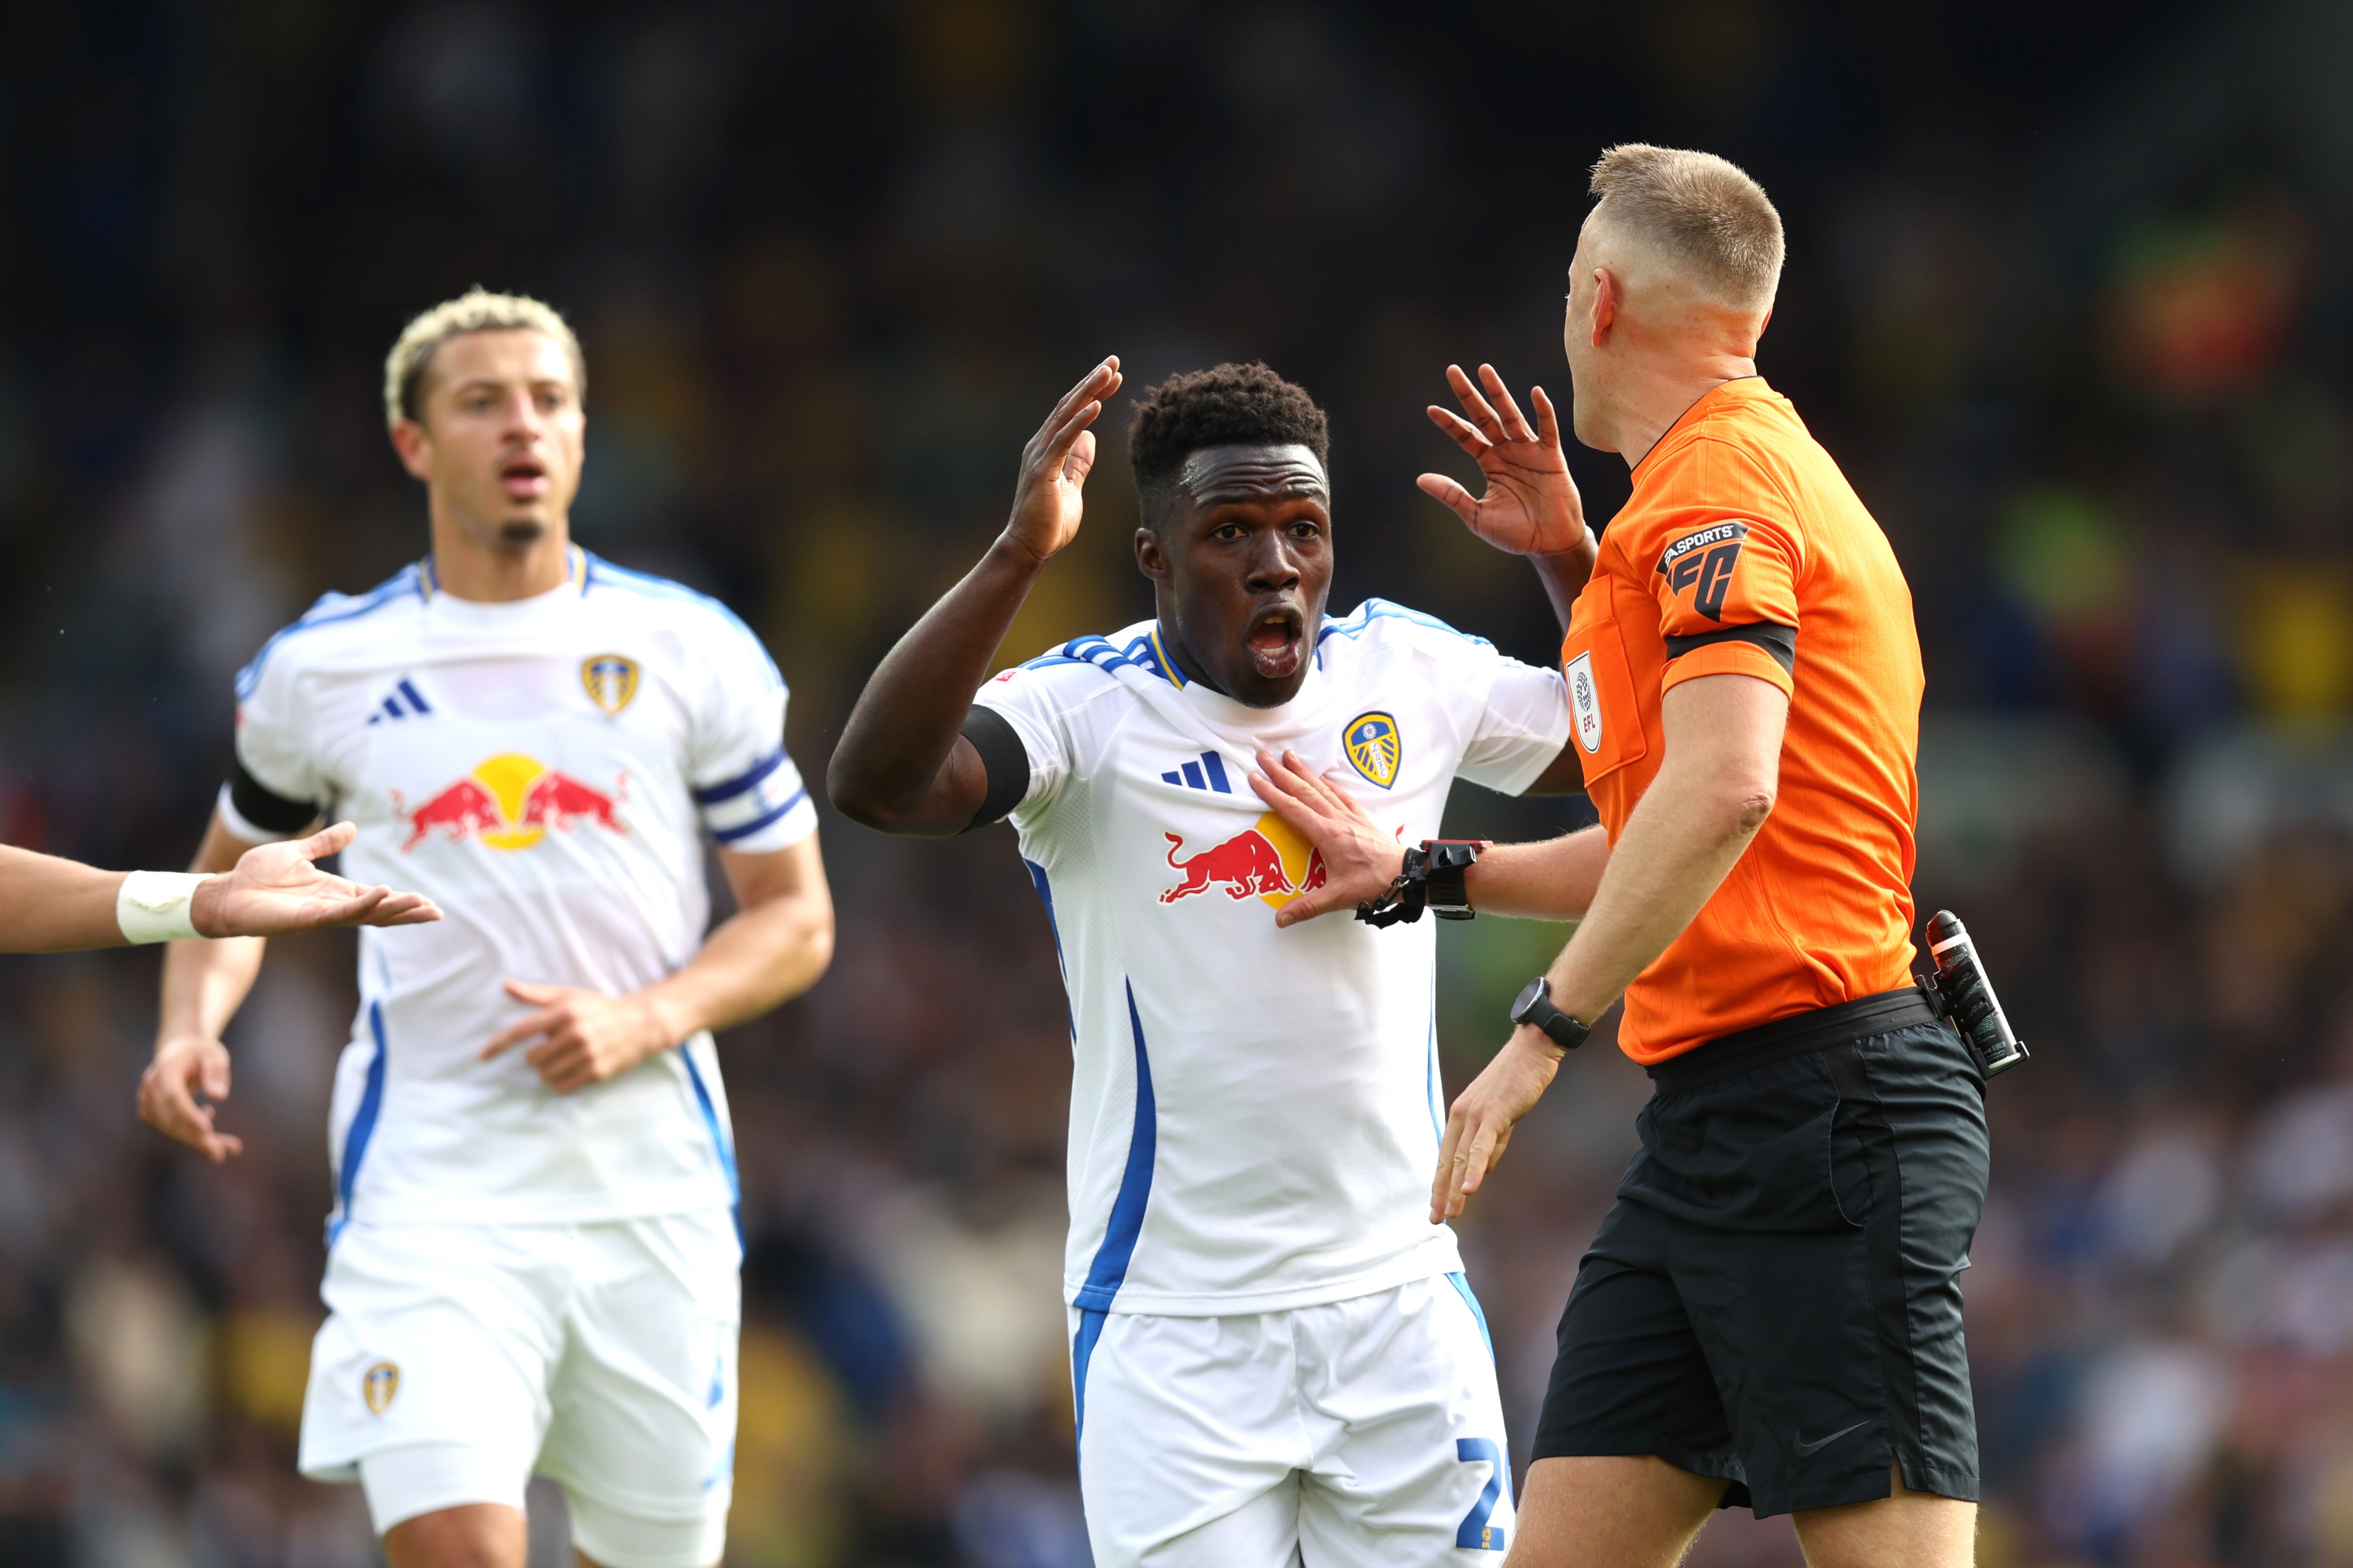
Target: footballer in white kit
[(533, 1257), (1275, 1354)]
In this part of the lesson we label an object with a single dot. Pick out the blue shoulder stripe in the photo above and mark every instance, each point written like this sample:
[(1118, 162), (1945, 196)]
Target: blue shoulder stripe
[(1101, 652), (329, 609), (1373, 610), (602, 571)]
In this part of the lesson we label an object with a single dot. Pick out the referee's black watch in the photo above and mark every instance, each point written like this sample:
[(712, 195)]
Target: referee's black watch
[(1534, 1006)]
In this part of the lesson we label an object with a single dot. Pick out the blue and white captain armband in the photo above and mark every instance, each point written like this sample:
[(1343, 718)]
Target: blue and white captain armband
[(753, 802), (157, 906)]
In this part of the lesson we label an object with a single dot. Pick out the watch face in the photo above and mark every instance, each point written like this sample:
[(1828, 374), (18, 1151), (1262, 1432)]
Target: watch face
[(1530, 994)]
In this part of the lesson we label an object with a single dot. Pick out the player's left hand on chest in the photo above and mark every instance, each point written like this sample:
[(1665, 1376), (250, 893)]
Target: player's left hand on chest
[(576, 1038)]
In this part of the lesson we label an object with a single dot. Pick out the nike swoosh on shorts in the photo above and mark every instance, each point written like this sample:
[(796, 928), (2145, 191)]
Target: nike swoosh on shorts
[(1806, 1449)]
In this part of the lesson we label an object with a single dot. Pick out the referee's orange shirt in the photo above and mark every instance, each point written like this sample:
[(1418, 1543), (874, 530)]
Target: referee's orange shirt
[(1744, 551)]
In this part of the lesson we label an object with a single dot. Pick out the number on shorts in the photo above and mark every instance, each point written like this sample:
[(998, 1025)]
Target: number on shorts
[(1475, 1531)]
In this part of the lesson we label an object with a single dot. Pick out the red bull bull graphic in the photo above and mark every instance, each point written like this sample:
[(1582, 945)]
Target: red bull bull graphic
[(512, 802), (1267, 861)]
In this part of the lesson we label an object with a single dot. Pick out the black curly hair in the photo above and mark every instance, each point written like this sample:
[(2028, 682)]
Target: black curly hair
[(1225, 405)]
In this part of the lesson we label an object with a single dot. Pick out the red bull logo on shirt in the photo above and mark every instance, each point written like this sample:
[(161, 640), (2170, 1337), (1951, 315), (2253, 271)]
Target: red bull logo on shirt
[(1267, 861), (512, 802)]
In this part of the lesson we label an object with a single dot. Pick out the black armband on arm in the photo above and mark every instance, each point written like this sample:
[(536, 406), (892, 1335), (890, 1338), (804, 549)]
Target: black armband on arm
[(1005, 761), (264, 807), (1778, 640)]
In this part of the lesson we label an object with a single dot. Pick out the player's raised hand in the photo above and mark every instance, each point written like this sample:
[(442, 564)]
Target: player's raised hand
[(1531, 507), (167, 1095), (1054, 466), (277, 888), (1359, 860), (584, 1036), (1478, 1126)]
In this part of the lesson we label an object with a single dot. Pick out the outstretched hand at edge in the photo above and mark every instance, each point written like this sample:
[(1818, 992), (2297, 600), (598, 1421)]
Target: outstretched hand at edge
[(276, 889)]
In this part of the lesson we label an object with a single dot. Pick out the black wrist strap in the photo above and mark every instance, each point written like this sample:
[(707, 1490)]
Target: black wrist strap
[(1434, 877)]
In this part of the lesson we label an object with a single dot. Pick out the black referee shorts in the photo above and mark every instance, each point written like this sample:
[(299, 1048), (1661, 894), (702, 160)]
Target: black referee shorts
[(1775, 1297)]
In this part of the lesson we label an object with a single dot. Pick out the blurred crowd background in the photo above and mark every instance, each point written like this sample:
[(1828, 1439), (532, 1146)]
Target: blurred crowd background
[(2070, 294)]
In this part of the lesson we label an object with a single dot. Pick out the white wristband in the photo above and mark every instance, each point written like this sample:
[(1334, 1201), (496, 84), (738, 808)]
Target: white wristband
[(157, 906)]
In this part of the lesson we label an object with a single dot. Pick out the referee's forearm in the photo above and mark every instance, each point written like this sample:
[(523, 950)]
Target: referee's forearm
[(899, 737), (1679, 845), (1552, 881)]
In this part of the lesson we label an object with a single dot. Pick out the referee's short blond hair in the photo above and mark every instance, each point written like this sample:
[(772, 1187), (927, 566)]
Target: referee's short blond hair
[(476, 310), (1697, 210)]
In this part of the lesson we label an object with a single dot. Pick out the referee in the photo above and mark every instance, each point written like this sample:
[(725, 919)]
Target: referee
[(1770, 1314)]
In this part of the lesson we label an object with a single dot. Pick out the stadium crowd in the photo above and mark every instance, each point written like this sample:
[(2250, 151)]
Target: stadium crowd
[(2074, 318)]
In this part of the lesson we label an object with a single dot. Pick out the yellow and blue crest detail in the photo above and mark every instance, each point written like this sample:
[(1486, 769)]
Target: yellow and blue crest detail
[(611, 682), (1375, 748), (378, 1384)]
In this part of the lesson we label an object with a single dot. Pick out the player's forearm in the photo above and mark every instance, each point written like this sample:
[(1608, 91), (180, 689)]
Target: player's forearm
[(1682, 841), (758, 959), (50, 905), (204, 983), (888, 770), (1563, 577), (1552, 881)]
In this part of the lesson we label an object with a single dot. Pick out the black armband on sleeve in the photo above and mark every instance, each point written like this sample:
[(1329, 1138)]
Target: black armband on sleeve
[(263, 807), (1005, 760), (1778, 640)]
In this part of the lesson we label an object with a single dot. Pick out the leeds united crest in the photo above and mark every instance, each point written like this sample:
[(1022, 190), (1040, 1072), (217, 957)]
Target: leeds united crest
[(611, 682), (1374, 747)]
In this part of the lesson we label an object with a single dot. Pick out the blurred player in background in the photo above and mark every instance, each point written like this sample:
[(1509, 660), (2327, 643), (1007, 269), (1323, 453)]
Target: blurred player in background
[(533, 1260), (51, 905), (1273, 1356), (1771, 1314)]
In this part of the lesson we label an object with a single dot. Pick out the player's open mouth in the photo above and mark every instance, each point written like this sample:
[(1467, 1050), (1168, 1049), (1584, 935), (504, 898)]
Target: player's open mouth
[(524, 478), (1277, 643)]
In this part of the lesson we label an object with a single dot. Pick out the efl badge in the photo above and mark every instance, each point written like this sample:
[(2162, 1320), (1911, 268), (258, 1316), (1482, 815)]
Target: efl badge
[(1374, 747), (611, 682), (378, 1384), (1584, 703)]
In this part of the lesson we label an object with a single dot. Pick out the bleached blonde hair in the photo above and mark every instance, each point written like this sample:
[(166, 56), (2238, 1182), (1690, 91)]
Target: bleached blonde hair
[(476, 310), (1697, 210)]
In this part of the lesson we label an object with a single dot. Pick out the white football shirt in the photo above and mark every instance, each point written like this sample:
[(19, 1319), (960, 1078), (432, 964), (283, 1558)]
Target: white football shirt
[(1254, 1112), (545, 770)]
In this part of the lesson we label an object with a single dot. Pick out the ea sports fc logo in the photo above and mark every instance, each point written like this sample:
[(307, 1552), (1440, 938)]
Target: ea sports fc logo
[(1267, 860), (512, 802)]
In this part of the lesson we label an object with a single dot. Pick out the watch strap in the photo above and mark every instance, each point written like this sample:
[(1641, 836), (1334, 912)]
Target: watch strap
[(1537, 1009)]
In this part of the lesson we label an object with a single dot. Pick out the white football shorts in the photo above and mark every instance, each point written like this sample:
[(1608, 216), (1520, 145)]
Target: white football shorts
[(457, 1360), (1359, 1434)]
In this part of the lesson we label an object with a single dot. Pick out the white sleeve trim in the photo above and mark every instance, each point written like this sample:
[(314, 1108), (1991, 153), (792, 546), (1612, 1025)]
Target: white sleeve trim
[(1537, 744)]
